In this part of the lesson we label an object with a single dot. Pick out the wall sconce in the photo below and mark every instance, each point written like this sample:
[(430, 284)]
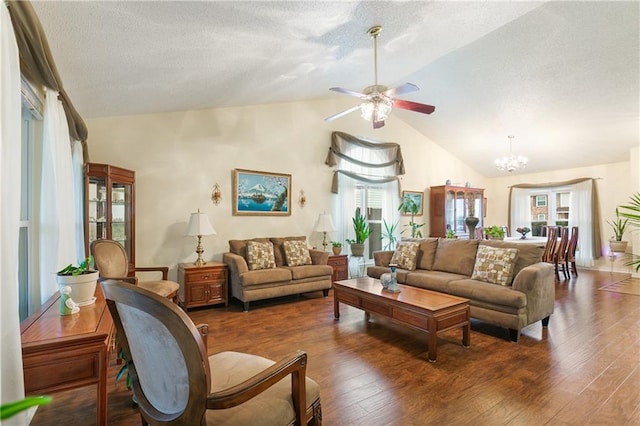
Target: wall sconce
[(302, 200), (216, 196)]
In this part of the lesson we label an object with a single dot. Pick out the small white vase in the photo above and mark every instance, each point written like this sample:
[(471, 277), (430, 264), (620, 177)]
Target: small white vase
[(83, 286)]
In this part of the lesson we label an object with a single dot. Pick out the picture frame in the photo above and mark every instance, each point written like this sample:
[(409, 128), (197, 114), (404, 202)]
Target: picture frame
[(257, 193), (418, 197)]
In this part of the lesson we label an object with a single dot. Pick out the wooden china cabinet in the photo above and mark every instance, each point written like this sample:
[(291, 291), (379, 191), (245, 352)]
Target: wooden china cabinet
[(450, 205), (109, 208)]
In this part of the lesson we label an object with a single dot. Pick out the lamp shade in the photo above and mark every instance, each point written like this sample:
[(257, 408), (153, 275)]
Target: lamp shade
[(199, 225), (324, 223)]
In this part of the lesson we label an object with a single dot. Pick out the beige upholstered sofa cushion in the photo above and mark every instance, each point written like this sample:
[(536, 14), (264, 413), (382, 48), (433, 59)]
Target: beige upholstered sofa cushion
[(426, 252), (296, 253), (495, 264), (260, 255), (274, 405), (278, 247), (528, 254), (405, 256), (456, 256), (239, 247)]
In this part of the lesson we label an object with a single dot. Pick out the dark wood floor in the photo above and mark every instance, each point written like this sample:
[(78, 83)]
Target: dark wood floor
[(583, 369)]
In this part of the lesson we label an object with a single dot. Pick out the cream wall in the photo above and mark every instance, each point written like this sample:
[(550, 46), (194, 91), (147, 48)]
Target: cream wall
[(179, 156), (615, 184)]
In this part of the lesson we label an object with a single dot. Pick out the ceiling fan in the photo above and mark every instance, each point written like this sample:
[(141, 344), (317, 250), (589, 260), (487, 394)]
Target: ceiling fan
[(379, 100)]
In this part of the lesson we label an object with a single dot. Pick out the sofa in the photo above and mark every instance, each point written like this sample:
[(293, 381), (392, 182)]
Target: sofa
[(264, 268), (506, 283)]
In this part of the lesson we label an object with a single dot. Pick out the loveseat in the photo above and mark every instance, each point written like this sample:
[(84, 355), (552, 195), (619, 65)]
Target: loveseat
[(507, 284), (263, 268)]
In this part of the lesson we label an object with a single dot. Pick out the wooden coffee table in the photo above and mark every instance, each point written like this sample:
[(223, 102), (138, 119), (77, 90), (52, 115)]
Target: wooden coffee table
[(425, 310)]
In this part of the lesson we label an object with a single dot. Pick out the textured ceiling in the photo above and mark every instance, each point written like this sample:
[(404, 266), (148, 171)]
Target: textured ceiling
[(563, 77)]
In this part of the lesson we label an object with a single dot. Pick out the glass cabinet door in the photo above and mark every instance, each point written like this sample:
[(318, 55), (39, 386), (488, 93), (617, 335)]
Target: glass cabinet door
[(120, 214), (97, 208)]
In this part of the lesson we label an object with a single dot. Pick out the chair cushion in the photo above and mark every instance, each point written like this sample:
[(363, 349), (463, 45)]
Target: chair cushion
[(296, 253), (271, 407), (495, 265), (161, 288), (405, 255), (260, 255)]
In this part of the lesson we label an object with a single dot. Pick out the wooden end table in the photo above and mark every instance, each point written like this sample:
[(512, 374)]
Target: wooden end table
[(425, 310), (203, 285)]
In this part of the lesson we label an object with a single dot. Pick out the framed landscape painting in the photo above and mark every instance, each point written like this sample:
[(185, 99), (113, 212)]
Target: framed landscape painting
[(415, 196), (261, 193)]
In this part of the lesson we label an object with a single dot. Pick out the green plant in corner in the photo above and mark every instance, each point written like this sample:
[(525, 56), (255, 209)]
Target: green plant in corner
[(389, 234), (360, 227), (619, 226), (631, 212), (408, 205), (335, 244)]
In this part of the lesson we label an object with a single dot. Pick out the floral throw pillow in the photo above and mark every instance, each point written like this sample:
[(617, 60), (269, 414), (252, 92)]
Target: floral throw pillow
[(296, 253), (260, 255), (495, 265), (406, 255)]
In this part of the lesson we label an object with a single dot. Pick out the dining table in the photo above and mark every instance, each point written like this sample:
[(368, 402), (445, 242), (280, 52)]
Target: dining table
[(539, 241)]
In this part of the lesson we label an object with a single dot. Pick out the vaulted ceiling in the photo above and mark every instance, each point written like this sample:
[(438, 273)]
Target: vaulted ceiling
[(562, 77)]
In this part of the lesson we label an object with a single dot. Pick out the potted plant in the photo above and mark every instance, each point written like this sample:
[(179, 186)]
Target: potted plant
[(389, 234), (495, 232), (336, 247), (408, 205), (631, 212), (82, 279), (619, 227), (362, 232), (451, 234)]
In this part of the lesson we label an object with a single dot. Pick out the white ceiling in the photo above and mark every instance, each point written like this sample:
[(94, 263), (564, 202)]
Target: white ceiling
[(562, 77)]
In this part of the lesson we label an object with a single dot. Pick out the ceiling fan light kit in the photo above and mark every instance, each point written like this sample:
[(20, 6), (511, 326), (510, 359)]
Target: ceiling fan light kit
[(378, 100), (511, 163)]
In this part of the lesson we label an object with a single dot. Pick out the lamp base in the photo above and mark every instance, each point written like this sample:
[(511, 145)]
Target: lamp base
[(199, 261)]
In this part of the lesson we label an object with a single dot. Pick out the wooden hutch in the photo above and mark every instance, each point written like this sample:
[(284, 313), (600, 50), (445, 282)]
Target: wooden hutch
[(450, 205)]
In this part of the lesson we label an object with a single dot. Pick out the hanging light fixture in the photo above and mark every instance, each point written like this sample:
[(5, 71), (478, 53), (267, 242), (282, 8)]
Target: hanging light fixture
[(377, 105), (511, 162)]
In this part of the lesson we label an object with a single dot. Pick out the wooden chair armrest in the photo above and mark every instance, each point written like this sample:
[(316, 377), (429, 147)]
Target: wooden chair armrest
[(203, 329), (130, 280), (163, 269), (295, 364)]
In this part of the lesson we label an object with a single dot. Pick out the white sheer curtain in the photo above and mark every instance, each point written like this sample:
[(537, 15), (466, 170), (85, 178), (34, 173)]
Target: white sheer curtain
[(580, 216), (11, 379), (78, 190), (57, 217), (520, 209)]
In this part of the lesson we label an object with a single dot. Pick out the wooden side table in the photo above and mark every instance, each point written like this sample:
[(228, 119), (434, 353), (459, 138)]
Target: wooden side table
[(340, 265), (67, 352), (203, 285)]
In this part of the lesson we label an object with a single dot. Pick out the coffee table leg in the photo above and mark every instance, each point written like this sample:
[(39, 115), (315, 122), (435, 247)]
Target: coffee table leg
[(466, 335), (433, 346), (336, 309)]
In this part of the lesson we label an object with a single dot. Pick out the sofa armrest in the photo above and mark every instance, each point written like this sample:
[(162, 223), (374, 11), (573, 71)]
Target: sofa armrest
[(538, 282), (237, 264), (319, 257), (383, 257)]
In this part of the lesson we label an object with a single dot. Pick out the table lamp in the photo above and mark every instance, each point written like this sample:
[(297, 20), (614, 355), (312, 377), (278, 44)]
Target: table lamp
[(324, 225), (199, 225)]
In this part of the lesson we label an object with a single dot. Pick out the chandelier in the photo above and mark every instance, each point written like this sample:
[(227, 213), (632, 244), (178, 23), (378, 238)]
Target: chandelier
[(511, 162)]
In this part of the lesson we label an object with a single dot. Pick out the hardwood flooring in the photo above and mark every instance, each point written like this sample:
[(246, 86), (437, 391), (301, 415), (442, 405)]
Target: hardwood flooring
[(583, 369)]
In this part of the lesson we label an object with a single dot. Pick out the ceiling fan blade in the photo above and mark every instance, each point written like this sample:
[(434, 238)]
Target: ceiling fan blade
[(414, 106), (340, 114), (400, 90), (348, 92), (378, 124)]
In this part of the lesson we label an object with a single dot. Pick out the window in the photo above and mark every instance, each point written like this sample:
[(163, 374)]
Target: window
[(542, 218), (370, 199), (28, 293), (540, 200)]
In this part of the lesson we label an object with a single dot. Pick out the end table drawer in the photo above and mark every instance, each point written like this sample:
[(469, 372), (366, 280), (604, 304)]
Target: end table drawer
[(197, 277)]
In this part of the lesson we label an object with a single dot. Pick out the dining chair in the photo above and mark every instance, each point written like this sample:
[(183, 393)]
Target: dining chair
[(560, 254), (176, 382), (112, 263), (571, 251), (550, 246), (479, 234), (507, 231)]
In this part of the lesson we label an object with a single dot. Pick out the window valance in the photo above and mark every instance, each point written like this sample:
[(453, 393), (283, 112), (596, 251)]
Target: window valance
[(364, 160), (36, 62)]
